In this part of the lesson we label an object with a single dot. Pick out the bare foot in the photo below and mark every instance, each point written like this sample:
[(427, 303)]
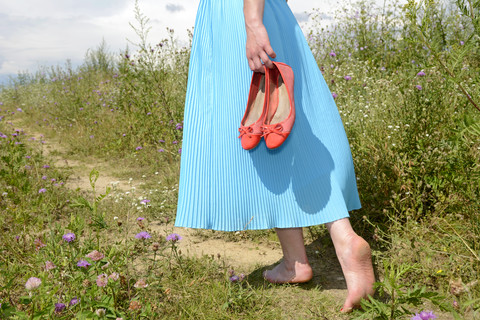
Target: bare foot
[(296, 273), (356, 261)]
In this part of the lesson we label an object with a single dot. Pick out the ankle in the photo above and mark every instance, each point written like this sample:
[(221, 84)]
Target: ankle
[(294, 264)]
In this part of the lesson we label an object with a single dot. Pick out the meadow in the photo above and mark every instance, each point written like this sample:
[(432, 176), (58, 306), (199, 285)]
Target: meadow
[(406, 80)]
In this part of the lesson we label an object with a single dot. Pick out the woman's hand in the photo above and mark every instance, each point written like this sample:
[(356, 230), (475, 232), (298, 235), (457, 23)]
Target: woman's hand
[(258, 48), (258, 45)]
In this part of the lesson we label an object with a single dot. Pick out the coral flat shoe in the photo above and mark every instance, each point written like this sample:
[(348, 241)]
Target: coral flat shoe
[(253, 120), (281, 105)]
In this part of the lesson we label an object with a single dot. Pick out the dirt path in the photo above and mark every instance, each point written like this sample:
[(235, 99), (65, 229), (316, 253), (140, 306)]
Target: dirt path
[(244, 256)]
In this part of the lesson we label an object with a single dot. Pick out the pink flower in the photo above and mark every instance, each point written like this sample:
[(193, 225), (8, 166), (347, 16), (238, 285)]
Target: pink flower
[(114, 276), (140, 284), (49, 265), (95, 255), (33, 283), (102, 280)]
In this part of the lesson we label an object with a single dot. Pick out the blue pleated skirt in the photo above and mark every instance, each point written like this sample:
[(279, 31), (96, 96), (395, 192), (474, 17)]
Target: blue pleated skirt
[(309, 180)]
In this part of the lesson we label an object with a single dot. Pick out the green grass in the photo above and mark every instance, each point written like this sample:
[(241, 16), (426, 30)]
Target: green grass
[(410, 112)]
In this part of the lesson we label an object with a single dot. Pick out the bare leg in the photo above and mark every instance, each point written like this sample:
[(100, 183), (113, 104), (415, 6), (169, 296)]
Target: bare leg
[(295, 267), (355, 257)]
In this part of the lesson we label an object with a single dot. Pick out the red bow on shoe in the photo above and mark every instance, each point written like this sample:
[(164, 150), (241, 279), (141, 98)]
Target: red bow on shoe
[(278, 129), (245, 130)]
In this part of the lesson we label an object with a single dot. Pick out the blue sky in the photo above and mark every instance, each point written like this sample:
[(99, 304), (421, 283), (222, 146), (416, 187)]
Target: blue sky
[(48, 32)]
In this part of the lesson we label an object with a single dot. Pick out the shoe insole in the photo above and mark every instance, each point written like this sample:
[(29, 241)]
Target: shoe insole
[(283, 109), (256, 108)]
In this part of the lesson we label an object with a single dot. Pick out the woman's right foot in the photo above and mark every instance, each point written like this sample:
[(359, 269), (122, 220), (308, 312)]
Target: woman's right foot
[(297, 273), (356, 261)]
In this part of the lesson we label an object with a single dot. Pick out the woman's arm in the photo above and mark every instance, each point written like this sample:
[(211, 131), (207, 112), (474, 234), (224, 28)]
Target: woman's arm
[(258, 45)]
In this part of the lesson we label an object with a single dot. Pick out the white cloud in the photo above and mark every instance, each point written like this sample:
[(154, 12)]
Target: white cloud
[(35, 33)]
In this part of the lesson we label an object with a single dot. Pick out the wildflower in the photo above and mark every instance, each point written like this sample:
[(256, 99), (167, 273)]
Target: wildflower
[(140, 284), (92, 136), (69, 237), (161, 150), (39, 244), (333, 54), (114, 276), (135, 305), (419, 87), (347, 78), (141, 218), (43, 190), (95, 255), (49, 265), (33, 283), (174, 237), (462, 43), (44, 178), (180, 151), (421, 74), (73, 302), (144, 201), (102, 280), (334, 95), (143, 235), (175, 142), (178, 126), (138, 148), (83, 264), (59, 307), (161, 141), (46, 166), (424, 315), (155, 246), (234, 278), (100, 312)]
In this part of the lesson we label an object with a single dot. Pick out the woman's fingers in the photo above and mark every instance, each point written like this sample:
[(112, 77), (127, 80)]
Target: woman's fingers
[(266, 60)]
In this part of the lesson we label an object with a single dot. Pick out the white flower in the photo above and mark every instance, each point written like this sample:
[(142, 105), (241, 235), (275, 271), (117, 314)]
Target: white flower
[(33, 283), (100, 312)]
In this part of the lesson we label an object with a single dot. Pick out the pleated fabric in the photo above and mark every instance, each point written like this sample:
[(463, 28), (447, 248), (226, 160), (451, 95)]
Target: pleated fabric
[(309, 180)]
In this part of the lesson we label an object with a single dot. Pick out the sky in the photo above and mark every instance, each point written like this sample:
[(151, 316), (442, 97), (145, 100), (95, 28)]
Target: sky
[(48, 32)]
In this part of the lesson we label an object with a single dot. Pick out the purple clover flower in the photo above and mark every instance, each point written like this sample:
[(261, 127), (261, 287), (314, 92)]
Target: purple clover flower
[(73, 302), (175, 142), (334, 95), (138, 148), (462, 43), (332, 54), (424, 315), (174, 237), (347, 78), (140, 218), (46, 166), (83, 264), (144, 201), (59, 307), (42, 190), (69, 237), (143, 235), (161, 141), (161, 150), (419, 87), (180, 151), (421, 74)]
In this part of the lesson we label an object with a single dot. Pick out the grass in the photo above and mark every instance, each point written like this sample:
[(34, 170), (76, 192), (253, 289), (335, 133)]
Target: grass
[(405, 79)]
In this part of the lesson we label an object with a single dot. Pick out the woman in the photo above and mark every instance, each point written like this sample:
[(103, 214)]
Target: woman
[(308, 180)]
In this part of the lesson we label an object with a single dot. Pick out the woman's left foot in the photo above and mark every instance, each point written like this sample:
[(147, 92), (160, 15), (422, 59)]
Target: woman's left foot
[(298, 273)]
